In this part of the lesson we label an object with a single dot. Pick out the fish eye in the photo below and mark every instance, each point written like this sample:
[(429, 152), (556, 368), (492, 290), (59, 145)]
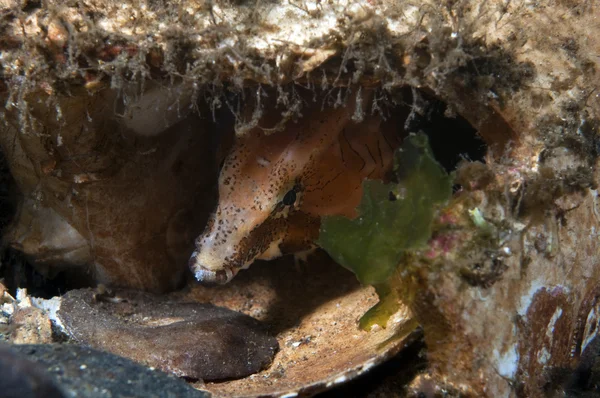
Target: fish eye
[(289, 198)]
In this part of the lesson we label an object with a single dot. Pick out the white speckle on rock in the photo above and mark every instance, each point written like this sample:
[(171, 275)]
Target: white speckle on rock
[(338, 380), (50, 307), (368, 366), (527, 299), (22, 296), (595, 204), (543, 356), (7, 309), (591, 326), (550, 328), (507, 362)]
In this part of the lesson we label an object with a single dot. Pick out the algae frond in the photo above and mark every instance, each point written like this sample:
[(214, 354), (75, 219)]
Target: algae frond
[(394, 219)]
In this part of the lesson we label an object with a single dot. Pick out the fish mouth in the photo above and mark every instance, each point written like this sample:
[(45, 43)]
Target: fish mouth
[(208, 276)]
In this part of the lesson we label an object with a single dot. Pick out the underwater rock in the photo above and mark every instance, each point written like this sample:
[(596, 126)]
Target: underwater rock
[(22, 378), (31, 326), (104, 202), (89, 373), (509, 280), (198, 341)]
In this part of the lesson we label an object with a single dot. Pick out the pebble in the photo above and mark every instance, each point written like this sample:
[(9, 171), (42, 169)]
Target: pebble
[(188, 339)]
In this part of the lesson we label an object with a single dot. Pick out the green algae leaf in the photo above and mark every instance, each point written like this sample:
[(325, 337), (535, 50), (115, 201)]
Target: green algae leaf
[(393, 218), (388, 305)]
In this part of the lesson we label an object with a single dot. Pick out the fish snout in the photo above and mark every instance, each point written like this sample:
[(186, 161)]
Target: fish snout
[(207, 276)]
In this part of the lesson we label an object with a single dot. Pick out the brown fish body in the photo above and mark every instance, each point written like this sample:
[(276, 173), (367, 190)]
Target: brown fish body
[(274, 188)]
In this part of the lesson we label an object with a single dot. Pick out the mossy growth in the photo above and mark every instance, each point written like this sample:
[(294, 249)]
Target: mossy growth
[(394, 219)]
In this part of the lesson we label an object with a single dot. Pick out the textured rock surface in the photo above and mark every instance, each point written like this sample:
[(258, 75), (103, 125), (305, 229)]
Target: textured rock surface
[(198, 341), (7, 308), (22, 378), (101, 67), (99, 197), (522, 306), (83, 372), (30, 326), (521, 285)]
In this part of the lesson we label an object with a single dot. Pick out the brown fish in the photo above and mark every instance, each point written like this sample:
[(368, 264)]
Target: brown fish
[(274, 188)]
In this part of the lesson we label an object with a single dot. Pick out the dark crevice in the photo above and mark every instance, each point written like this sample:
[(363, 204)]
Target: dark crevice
[(452, 138), (15, 269), (17, 272)]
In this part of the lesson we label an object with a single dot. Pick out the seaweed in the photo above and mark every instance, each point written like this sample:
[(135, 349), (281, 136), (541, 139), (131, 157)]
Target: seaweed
[(394, 219)]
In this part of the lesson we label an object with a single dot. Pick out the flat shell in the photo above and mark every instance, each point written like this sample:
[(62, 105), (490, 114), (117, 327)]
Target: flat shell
[(314, 311)]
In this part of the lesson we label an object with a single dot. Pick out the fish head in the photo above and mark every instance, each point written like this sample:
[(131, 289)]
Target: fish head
[(260, 189)]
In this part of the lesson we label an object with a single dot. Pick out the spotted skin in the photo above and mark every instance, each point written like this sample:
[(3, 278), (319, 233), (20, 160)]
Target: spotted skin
[(324, 157)]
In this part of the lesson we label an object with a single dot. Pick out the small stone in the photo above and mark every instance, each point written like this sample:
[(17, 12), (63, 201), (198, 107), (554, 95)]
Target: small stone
[(194, 340), (31, 326)]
